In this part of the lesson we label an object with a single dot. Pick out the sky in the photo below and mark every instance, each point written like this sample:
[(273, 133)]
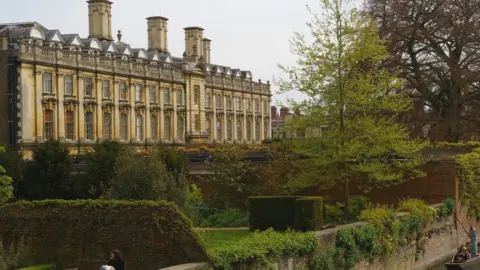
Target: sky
[(246, 34)]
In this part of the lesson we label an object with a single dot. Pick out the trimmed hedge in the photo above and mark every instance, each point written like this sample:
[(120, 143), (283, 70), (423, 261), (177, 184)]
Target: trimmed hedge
[(281, 213), (151, 235), (271, 212), (308, 214)]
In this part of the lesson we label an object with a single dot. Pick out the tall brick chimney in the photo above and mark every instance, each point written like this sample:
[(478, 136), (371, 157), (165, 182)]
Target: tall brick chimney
[(283, 112), (274, 112)]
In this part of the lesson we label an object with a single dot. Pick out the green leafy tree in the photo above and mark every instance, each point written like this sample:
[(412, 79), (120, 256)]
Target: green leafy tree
[(348, 89), (6, 187), (235, 178), (100, 168), (48, 174), (145, 176)]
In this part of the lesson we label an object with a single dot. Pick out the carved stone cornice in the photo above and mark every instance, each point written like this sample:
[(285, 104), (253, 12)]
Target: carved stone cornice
[(89, 103), (168, 107), (155, 107), (140, 106), (49, 101), (180, 108)]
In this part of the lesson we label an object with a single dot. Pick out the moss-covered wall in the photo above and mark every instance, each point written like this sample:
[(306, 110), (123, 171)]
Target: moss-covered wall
[(151, 235)]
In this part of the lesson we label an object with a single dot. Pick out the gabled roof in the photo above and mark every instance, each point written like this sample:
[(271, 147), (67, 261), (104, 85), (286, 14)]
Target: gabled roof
[(140, 53), (109, 47), (124, 48), (72, 39), (34, 32), (237, 72), (92, 43), (54, 36), (153, 56)]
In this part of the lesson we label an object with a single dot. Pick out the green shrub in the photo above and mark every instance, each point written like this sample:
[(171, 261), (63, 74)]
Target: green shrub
[(368, 242), (227, 218), (308, 214), (384, 220), (358, 203), (260, 246), (446, 208), (333, 213), (40, 267), (324, 261), (345, 241), (15, 256), (271, 212)]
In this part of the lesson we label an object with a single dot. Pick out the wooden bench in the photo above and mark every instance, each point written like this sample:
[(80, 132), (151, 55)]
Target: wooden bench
[(92, 264)]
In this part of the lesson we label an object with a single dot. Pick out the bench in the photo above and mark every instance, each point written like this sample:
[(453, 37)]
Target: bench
[(92, 264)]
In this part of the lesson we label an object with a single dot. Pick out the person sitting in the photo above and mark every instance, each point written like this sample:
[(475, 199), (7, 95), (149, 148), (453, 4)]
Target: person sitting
[(463, 255), (116, 261)]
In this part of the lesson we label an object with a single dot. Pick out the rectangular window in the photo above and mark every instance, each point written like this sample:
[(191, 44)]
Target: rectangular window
[(219, 130), (138, 93), (239, 130), (238, 100), (229, 130), (196, 94), (208, 100), (139, 130), (106, 89), (249, 131), (257, 131), (180, 97), (218, 101), (106, 126), (247, 104), (257, 106), (166, 95), (68, 85), (153, 94), (123, 91), (89, 125), (229, 102), (265, 107), (47, 82), (167, 128), (180, 127), (69, 128), (48, 124), (123, 127), (88, 87), (208, 127), (265, 129), (197, 122), (153, 123)]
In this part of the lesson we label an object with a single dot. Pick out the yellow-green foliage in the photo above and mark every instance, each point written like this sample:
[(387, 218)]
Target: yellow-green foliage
[(470, 181), (414, 206), (384, 220)]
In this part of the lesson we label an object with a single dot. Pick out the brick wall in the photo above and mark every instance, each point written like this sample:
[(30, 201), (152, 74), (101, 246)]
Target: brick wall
[(151, 235)]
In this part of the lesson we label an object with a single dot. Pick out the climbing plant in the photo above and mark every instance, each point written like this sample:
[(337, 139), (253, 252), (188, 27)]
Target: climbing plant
[(6, 187)]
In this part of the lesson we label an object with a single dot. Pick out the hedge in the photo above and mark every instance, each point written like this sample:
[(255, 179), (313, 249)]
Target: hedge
[(152, 235), (271, 212), (308, 214), (283, 212)]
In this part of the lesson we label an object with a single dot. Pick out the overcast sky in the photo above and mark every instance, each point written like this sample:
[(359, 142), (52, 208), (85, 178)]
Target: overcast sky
[(247, 34)]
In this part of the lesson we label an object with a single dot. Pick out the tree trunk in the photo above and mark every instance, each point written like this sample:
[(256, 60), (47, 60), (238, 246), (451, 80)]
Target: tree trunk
[(347, 214)]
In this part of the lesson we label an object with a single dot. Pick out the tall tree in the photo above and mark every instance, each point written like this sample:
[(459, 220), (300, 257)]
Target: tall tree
[(6, 187), (348, 89), (435, 47), (47, 175)]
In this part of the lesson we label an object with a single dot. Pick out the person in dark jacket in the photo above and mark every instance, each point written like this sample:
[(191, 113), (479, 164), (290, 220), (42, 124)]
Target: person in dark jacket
[(116, 260)]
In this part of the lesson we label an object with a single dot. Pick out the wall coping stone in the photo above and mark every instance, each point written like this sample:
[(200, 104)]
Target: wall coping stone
[(189, 266)]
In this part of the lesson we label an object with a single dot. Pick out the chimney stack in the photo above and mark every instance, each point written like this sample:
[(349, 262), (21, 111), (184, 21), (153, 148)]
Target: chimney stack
[(157, 33), (100, 19), (274, 112), (193, 43), (206, 50)]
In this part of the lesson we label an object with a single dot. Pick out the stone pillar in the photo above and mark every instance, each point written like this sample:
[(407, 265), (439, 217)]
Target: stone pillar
[(161, 120), (133, 113), (116, 111), (99, 96), (175, 114), (61, 109), (81, 111), (147, 128), (38, 105)]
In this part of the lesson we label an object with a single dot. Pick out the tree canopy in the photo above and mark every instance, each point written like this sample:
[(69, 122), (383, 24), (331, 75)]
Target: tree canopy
[(348, 89)]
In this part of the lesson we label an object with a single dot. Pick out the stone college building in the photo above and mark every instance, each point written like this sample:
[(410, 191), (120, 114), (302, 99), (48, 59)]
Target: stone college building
[(85, 90)]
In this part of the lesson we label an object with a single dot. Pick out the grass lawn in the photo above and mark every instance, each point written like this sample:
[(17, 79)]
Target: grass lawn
[(215, 239)]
